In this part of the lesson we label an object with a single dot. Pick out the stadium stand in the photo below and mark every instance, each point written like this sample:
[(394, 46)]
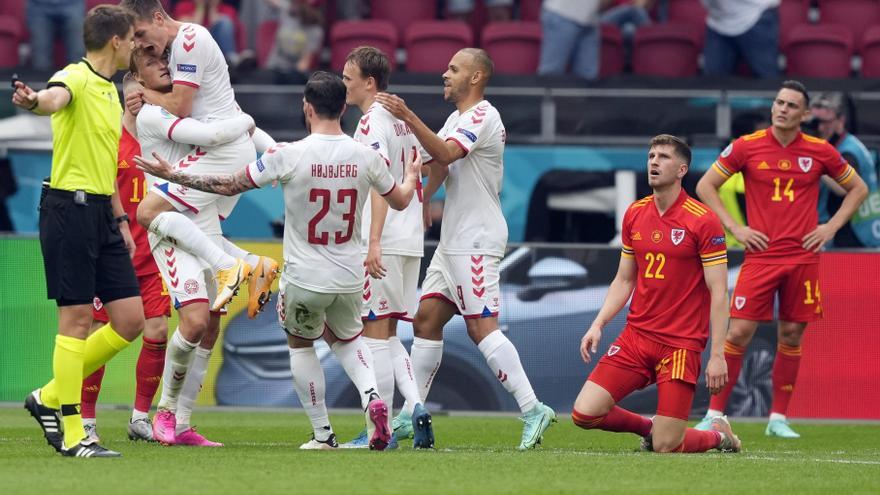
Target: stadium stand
[(265, 40), (666, 50), (515, 47), (869, 48), (10, 34), (857, 15), (347, 35), (820, 50), (792, 13), (402, 14), (686, 11), (430, 44), (612, 56)]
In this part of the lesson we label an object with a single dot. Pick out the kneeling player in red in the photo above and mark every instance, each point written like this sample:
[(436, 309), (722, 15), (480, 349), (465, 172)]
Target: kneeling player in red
[(675, 257)]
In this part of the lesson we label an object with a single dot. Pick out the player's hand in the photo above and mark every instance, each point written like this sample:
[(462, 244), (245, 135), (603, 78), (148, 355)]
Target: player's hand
[(815, 240), (590, 343), (373, 262), (23, 96), (750, 238), (159, 168), (413, 168), (134, 101), (394, 104), (129, 240), (716, 373)]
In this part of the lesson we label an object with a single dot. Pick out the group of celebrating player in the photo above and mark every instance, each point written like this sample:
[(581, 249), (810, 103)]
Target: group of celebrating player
[(351, 265)]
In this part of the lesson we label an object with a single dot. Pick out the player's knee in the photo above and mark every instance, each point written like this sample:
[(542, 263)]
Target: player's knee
[(741, 333), (129, 326), (586, 421), (664, 446), (194, 326), (791, 333), (145, 215), (156, 328), (425, 328)]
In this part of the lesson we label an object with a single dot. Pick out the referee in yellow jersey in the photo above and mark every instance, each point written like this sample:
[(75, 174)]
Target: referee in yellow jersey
[(84, 232)]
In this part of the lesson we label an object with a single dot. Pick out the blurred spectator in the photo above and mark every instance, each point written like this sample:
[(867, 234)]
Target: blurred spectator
[(298, 40), (51, 19), (571, 37), (349, 9), (628, 16), (829, 116), (499, 10), (217, 17), (745, 30)]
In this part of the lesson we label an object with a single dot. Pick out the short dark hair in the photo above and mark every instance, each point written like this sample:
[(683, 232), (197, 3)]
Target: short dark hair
[(144, 9), (325, 92), (104, 22), (678, 144), (799, 87), (372, 62), (482, 61)]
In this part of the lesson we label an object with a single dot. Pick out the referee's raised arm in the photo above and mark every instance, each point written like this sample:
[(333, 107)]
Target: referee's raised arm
[(84, 234)]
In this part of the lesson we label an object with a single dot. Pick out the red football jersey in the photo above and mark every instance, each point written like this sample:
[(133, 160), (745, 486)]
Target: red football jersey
[(782, 189), (132, 189), (671, 300)]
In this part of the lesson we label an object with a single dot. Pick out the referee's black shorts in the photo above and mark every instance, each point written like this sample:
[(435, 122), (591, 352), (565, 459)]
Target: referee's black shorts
[(84, 254)]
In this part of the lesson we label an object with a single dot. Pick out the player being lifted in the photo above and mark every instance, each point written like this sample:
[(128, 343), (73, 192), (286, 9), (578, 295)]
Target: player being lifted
[(326, 178), (675, 257), (468, 156), (782, 168), (394, 241)]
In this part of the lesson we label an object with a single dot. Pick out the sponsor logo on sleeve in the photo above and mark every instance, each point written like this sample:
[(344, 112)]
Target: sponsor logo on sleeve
[(186, 68), (468, 134), (375, 145), (61, 74), (718, 240), (727, 151), (260, 166), (165, 113)]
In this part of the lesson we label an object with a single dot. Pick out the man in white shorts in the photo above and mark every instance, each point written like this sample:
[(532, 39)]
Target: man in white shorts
[(326, 178), (393, 244), (463, 278), (188, 280)]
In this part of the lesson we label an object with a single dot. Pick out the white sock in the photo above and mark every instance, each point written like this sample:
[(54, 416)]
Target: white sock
[(383, 368), (403, 374), (191, 387), (777, 417), (89, 421), (714, 413), (171, 224), (236, 252), (136, 415), (308, 381), (357, 360), (178, 356), (505, 364), (426, 356)]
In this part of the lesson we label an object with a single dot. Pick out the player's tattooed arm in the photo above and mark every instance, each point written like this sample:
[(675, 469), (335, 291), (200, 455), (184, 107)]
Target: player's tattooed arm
[(225, 184)]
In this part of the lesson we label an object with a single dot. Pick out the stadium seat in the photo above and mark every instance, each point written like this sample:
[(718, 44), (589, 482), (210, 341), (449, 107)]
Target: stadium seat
[(430, 44), (186, 8), (870, 50), (857, 15), (15, 10), (265, 41), (402, 14), (10, 33), (530, 10), (791, 13), (686, 11), (515, 47), (348, 35), (820, 50), (612, 57), (666, 50)]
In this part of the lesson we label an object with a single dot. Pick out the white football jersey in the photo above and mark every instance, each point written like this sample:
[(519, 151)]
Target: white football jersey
[(403, 233), (196, 61), (472, 218), (326, 180)]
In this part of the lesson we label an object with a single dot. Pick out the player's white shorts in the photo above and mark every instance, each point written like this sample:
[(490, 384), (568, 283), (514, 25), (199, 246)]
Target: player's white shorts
[(305, 314), (188, 280), (468, 282), (395, 295), (226, 159)]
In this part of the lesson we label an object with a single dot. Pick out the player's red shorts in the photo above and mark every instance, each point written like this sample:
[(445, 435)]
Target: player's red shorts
[(153, 293), (634, 361), (798, 286)]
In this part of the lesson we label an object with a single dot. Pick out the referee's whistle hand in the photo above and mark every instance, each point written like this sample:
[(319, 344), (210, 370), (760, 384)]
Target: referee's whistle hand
[(158, 168), (23, 96)]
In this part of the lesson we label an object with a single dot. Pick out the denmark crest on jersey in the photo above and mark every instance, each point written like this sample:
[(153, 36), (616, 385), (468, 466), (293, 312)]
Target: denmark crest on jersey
[(806, 163), (677, 235)]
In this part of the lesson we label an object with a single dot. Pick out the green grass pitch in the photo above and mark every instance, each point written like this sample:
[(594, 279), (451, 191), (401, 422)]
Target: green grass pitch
[(475, 454)]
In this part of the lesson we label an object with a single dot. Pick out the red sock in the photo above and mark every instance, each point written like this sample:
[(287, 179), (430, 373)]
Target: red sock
[(149, 372), (733, 354), (617, 420), (91, 387), (698, 441), (785, 370)]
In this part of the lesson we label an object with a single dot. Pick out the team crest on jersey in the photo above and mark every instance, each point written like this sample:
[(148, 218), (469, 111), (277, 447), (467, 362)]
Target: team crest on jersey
[(783, 165), (739, 302), (98, 304), (613, 350), (805, 162), (191, 286), (383, 304), (676, 235), (727, 151), (656, 236)]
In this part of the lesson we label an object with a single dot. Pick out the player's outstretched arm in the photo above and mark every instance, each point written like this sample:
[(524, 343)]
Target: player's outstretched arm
[(719, 315), (707, 190), (262, 140), (225, 184), (178, 102), (619, 291), (856, 192), (191, 131), (442, 152), (43, 102)]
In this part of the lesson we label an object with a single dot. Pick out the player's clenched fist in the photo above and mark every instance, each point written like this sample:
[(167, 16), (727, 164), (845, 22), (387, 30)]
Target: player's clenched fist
[(590, 343)]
